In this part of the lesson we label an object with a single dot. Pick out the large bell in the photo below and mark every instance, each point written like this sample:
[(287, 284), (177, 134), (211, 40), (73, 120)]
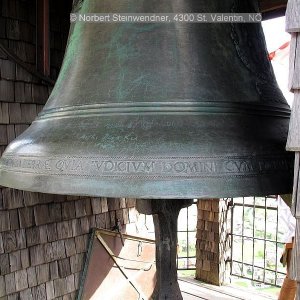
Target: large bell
[(175, 110)]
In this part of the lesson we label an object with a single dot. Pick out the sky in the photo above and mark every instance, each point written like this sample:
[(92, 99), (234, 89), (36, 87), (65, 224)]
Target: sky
[(276, 36)]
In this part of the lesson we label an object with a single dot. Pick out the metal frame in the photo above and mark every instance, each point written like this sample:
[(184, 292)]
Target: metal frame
[(235, 236), (187, 231)]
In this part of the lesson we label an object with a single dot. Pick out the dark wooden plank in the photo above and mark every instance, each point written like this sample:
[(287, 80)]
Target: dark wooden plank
[(269, 5)]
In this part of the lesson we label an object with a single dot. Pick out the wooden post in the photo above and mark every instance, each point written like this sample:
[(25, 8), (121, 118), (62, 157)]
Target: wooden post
[(293, 143), (213, 241), (165, 221)]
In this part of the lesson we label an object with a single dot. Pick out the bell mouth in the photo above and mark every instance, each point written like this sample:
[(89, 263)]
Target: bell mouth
[(156, 155)]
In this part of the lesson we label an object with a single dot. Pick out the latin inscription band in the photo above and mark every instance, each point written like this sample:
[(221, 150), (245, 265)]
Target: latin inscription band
[(158, 167)]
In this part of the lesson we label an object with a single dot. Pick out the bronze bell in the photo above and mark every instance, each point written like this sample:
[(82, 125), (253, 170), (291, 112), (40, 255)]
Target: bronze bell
[(175, 110)]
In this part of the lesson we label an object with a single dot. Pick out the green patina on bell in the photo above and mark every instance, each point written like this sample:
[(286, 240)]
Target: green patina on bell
[(157, 110)]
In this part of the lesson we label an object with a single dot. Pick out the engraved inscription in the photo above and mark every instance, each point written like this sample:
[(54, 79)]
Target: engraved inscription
[(189, 167), (239, 166), (124, 166), (165, 167)]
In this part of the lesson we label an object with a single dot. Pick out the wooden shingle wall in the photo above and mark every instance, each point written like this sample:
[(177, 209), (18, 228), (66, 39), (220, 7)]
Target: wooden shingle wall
[(43, 238), (213, 241), (293, 143)]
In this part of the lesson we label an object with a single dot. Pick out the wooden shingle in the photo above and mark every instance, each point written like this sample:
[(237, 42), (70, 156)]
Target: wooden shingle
[(39, 292), (41, 214), (4, 221), (50, 290), (15, 114), (64, 267), (293, 16), (2, 286), (10, 283), (70, 247), (15, 261), (14, 219), (4, 264), (1, 244), (21, 239), (7, 93), (37, 255), (24, 254), (76, 262), (68, 210), (21, 280), (32, 280), (26, 295), (53, 270), (64, 230), (60, 287), (42, 273), (4, 114), (9, 241), (28, 113), (83, 207), (26, 217), (12, 198), (33, 236)]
